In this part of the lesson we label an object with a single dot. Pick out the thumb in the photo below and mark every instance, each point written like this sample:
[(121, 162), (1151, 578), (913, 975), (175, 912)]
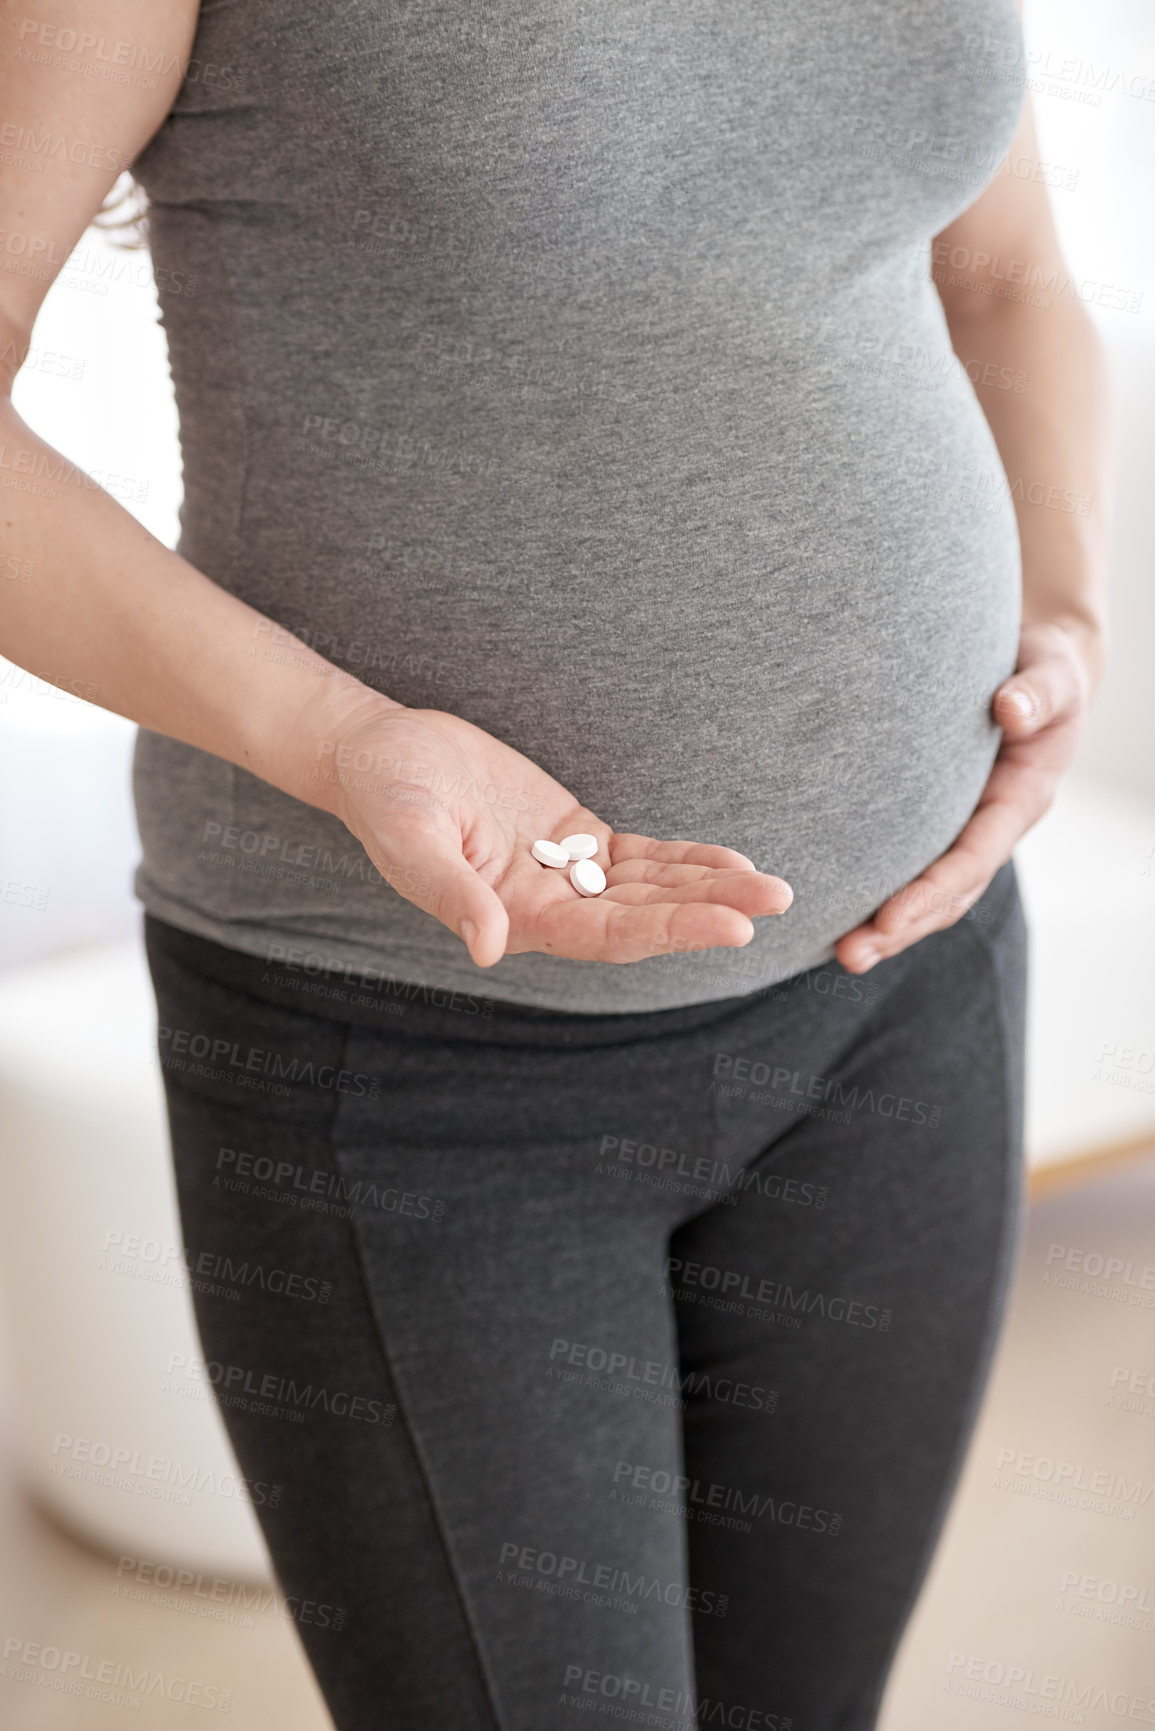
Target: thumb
[(1019, 708), (453, 893)]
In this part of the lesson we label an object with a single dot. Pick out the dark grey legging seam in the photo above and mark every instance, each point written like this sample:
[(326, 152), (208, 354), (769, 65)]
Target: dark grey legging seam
[(435, 1515)]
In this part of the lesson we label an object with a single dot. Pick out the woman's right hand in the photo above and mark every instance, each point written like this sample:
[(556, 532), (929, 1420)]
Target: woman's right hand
[(448, 815)]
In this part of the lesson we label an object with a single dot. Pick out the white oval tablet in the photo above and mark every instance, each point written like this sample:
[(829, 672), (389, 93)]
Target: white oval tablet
[(580, 846), (587, 877), (550, 853)]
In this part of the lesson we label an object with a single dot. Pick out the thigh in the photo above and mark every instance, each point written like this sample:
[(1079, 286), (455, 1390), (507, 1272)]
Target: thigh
[(435, 1332), (533, 1350), (862, 1276), (292, 1352)]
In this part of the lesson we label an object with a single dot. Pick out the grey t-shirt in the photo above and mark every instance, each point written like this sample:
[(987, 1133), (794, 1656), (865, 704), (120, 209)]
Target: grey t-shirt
[(578, 370)]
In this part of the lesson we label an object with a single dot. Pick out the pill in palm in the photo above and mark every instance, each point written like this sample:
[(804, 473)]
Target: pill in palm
[(580, 846), (587, 877), (550, 853)]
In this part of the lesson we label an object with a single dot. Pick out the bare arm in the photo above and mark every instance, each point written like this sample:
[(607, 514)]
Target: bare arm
[(109, 607), (1055, 440), (1054, 436), (112, 611)]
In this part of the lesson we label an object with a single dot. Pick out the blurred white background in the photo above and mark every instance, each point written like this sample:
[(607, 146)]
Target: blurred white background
[(96, 387)]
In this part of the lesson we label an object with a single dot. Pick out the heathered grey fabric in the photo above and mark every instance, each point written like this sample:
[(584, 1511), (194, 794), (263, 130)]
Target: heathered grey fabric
[(578, 370)]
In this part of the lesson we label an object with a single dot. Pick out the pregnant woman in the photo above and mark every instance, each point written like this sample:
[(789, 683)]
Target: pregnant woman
[(632, 418)]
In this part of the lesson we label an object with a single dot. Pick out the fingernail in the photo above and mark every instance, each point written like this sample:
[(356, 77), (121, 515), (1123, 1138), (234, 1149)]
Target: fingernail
[(868, 956), (1020, 701), (468, 933)]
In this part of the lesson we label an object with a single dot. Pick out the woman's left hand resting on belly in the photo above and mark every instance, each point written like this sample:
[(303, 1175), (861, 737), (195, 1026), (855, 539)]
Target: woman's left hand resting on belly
[(1040, 375)]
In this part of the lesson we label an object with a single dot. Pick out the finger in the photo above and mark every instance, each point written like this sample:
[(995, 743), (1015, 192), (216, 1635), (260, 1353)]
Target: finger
[(943, 893), (449, 888), (652, 871), (1047, 688), (752, 893), (598, 929), (624, 846), (1017, 794), (666, 876)]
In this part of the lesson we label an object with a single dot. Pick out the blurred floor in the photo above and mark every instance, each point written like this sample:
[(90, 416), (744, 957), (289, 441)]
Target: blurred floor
[(161, 1652), (1059, 1592)]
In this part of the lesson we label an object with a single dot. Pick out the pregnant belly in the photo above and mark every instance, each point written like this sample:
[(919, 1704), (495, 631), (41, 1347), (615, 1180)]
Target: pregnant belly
[(813, 684), (771, 614)]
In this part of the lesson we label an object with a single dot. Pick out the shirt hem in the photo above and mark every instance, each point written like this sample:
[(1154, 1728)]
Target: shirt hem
[(320, 952)]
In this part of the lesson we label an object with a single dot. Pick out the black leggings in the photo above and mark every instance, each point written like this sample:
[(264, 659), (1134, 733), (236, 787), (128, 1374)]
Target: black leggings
[(617, 1364)]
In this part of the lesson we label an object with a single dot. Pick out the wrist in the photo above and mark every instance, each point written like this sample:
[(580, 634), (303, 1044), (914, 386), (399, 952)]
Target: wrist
[(1085, 634), (336, 705)]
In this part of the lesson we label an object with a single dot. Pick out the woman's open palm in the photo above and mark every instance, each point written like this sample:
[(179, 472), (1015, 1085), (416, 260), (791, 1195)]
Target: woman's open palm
[(448, 815)]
